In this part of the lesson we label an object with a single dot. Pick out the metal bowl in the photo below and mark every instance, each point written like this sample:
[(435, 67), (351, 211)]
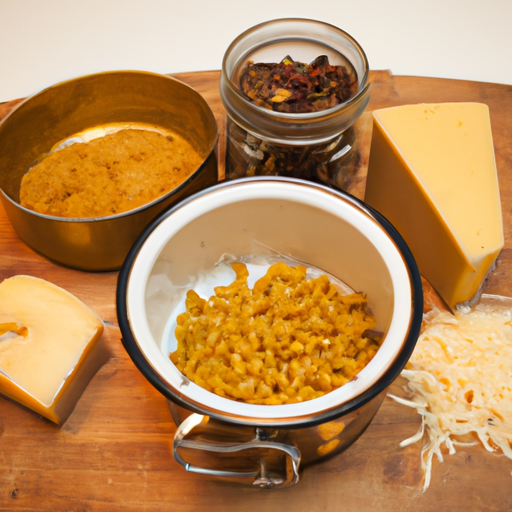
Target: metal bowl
[(65, 109), (311, 223)]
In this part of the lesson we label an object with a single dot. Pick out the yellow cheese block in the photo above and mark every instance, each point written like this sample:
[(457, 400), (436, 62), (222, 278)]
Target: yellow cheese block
[(47, 340), (432, 174)]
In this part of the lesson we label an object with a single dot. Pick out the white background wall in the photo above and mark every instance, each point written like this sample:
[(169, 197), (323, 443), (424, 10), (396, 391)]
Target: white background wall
[(45, 41)]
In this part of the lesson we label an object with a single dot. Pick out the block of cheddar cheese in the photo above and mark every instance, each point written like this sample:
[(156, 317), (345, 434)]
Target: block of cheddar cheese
[(48, 346), (432, 174)]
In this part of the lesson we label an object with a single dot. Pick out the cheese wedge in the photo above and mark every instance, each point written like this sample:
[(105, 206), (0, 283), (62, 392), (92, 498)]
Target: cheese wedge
[(432, 174), (47, 337)]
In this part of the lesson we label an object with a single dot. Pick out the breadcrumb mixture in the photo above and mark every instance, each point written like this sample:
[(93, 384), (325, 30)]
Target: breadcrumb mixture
[(108, 175)]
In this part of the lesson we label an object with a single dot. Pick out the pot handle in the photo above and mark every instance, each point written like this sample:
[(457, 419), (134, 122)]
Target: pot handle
[(259, 477)]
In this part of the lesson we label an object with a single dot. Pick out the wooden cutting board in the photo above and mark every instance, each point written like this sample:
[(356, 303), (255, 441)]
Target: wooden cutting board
[(113, 453)]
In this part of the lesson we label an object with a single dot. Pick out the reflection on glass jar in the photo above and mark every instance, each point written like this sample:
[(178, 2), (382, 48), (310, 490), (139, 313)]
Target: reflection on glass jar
[(315, 145)]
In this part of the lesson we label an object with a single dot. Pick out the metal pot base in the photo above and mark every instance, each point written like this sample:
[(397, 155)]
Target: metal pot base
[(261, 456)]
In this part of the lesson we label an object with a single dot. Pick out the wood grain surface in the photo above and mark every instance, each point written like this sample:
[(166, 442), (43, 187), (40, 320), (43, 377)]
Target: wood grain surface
[(113, 453)]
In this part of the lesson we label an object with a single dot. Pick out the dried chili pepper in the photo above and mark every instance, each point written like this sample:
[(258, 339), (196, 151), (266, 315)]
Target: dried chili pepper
[(295, 87)]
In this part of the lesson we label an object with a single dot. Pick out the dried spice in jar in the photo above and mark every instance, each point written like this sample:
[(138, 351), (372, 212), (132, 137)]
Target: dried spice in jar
[(292, 118), (297, 88), (251, 156), (290, 86)]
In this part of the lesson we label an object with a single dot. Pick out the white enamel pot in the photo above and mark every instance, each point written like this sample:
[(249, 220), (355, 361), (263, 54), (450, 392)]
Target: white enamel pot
[(328, 229)]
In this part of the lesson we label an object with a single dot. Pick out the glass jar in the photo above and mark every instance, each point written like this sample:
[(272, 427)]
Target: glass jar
[(318, 146)]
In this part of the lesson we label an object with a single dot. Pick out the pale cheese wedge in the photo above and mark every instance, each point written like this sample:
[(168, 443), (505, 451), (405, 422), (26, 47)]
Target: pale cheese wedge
[(47, 340), (432, 174)]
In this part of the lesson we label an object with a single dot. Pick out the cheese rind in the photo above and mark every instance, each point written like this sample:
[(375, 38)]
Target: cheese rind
[(53, 335), (432, 174)]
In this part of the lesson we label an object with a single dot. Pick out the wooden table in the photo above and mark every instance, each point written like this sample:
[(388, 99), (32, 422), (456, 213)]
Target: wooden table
[(113, 453)]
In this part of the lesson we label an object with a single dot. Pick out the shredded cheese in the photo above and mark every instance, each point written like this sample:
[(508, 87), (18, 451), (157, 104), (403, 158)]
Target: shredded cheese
[(460, 380)]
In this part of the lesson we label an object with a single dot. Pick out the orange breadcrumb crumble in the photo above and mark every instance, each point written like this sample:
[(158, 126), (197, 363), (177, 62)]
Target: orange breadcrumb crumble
[(108, 175)]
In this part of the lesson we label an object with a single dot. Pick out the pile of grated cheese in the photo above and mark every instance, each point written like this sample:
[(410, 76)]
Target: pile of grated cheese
[(460, 379)]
